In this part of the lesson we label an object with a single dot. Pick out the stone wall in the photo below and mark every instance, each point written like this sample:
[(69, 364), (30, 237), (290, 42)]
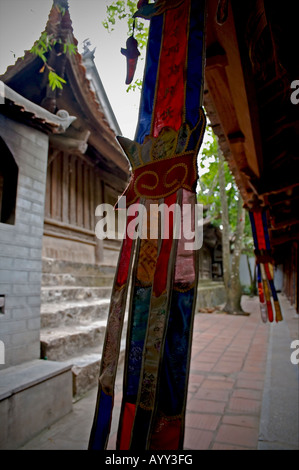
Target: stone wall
[(21, 245)]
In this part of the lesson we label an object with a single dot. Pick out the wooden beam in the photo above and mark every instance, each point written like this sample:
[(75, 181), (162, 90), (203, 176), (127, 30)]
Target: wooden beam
[(80, 192), (86, 198), (73, 191), (284, 235), (70, 144), (283, 224)]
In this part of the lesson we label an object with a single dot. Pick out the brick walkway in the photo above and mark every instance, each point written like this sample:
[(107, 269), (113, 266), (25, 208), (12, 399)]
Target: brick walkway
[(228, 378), (226, 381)]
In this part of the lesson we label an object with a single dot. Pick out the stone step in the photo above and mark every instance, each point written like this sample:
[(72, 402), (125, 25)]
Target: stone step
[(54, 266), (75, 300), (68, 279), (59, 344), (85, 372), (86, 369), (50, 294), (64, 346), (72, 313), (33, 396)]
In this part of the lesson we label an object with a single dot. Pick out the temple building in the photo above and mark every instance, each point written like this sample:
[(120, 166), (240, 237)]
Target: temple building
[(59, 160)]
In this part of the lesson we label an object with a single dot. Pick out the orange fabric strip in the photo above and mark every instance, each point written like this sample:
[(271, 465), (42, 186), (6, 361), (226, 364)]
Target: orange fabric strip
[(160, 279)]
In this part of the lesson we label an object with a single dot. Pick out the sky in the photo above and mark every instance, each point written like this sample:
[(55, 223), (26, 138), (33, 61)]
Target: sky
[(22, 21)]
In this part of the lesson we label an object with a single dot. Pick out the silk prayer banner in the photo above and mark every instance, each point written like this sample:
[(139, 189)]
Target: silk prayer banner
[(161, 265), (269, 303)]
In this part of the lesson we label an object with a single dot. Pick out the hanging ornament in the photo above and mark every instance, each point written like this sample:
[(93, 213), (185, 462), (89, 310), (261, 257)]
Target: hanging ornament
[(265, 267), (131, 53)]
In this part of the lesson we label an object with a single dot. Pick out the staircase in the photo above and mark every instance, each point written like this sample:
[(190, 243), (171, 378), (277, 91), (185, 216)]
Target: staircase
[(74, 309)]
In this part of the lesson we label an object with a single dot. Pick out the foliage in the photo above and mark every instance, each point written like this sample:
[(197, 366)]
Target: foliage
[(125, 9), (43, 46), (121, 10), (209, 190), (55, 81)]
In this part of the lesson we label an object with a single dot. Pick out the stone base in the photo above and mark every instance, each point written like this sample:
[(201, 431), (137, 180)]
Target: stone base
[(210, 294), (33, 396)]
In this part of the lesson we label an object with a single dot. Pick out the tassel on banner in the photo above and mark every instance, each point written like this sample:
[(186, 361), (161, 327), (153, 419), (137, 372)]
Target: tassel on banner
[(265, 269)]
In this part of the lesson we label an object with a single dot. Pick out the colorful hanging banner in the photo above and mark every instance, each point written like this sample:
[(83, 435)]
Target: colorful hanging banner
[(164, 269), (264, 265)]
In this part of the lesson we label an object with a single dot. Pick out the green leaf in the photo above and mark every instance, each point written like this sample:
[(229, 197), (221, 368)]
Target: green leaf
[(69, 48), (55, 81)]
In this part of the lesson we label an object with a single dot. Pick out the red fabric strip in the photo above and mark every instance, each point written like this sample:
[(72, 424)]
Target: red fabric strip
[(270, 311), (269, 304), (160, 279), (127, 424), (125, 256), (259, 227), (168, 435), (170, 96), (261, 292)]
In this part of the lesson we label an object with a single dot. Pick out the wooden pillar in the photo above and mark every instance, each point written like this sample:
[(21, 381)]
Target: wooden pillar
[(86, 197), (72, 205), (65, 188), (99, 199)]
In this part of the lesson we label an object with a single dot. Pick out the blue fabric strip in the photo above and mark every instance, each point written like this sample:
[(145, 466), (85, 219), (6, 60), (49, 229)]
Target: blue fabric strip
[(266, 233), (273, 289), (251, 216), (149, 79), (101, 428), (140, 309), (195, 69), (175, 360)]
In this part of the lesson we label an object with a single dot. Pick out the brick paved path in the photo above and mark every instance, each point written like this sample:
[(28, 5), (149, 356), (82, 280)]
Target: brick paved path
[(226, 381)]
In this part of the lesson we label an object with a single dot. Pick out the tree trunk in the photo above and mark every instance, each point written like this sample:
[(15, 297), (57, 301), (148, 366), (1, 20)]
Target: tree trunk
[(234, 292), (225, 223), (231, 268)]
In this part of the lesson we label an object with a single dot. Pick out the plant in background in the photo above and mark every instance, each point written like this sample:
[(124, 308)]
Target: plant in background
[(123, 10), (219, 194), (44, 45)]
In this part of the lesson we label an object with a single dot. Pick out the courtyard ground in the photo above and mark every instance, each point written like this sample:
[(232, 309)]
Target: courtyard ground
[(243, 388)]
